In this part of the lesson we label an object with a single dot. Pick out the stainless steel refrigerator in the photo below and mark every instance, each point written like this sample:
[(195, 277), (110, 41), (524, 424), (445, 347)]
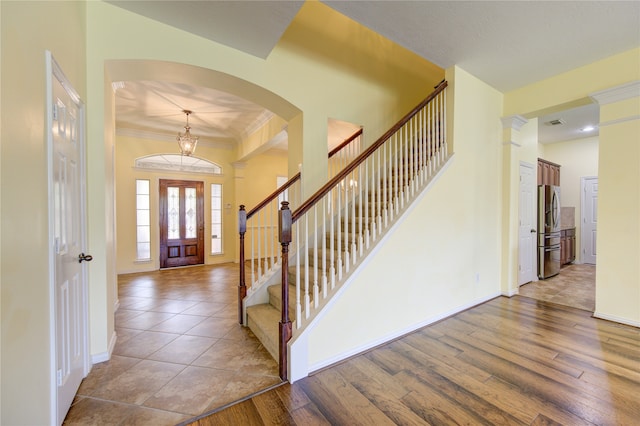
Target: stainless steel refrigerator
[(548, 231)]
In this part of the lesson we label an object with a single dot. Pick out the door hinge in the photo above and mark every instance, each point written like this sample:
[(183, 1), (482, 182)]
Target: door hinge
[(55, 112), (59, 377)]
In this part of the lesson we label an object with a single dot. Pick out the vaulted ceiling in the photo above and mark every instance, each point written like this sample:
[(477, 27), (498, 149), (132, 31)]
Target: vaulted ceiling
[(507, 44)]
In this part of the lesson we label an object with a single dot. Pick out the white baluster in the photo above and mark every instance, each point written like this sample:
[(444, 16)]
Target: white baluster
[(307, 304), (315, 256), (338, 231), (324, 246), (299, 320)]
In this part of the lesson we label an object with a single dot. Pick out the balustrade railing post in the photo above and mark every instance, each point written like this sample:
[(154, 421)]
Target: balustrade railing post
[(242, 285), (284, 229)]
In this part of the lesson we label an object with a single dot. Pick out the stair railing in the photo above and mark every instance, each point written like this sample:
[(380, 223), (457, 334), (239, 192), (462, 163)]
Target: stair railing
[(334, 229), (260, 222), (344, 153)]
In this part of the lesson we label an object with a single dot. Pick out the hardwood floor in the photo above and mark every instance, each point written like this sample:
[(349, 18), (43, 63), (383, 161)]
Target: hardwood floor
[(180, 351), (509, 361)]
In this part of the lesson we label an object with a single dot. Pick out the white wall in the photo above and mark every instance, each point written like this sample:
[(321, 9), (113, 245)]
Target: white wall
[(445, 255)]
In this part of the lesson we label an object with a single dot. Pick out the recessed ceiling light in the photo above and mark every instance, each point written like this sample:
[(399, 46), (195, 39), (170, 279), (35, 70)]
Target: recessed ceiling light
[(588, 128)]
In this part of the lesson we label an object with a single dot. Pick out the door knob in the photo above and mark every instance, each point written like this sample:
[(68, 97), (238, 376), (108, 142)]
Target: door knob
[(85, 257), (533, 231)]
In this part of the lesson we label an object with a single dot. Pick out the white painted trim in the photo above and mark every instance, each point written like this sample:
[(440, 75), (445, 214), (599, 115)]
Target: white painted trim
[(620, 120), (171, 138), (53, 69), (399, 333), (105, 356), (613, 318), (169, 162), (514, 122), (53, 385), (512, 292), (617, 93)]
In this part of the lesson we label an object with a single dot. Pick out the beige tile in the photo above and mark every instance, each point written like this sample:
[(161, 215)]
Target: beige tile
[(241, 333), (574, 286), (205, 308), (213, 327), (144, 344), (191, 391), (183, 350), (179, 323), (155, 358), (139, 382), (227, 354), (241, 386), (124, 334), (174, 306), (141, 416), (90, 411), (145, 320), (103, 372), (260, 362)]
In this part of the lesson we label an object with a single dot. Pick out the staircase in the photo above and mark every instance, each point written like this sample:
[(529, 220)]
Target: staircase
[(332, 232)]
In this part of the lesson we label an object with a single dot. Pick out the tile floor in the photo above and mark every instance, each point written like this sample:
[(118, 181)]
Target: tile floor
[(574, 286), (180, 351)]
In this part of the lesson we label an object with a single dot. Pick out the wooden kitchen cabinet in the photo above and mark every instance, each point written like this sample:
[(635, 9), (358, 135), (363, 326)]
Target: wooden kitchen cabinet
[(548, 173), (567, 245)]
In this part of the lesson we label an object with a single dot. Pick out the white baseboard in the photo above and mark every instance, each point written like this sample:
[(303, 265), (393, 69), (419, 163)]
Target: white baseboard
[(625, 321), (396, 334), (105, 356), (511, 292)]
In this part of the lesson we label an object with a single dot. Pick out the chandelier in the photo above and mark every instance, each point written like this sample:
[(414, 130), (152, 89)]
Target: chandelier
[(187, 142)]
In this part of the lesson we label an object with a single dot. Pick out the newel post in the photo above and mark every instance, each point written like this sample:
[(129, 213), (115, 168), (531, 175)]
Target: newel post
[(242, 286), (284, 227)]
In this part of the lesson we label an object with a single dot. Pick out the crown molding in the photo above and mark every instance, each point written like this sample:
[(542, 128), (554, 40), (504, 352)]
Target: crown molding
[(165, 137), (514, 122), (617, 93)]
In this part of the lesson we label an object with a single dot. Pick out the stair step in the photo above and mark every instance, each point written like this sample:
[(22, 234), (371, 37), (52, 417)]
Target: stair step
[(263, 320), (275, 299)]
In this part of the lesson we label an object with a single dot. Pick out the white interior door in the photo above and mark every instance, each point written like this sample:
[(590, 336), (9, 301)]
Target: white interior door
[(68, 236), (589, 219), (526, 229)]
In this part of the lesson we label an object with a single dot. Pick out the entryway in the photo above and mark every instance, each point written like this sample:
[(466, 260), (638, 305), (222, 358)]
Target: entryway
[(181, 223), (180, 351)]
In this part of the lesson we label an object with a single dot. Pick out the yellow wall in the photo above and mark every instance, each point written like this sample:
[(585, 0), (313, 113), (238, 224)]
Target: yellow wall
[(573, 87), (578, 158), (445, 255), (618, 250), (618, 246), (27, 376), (259, 180), (312, 74)]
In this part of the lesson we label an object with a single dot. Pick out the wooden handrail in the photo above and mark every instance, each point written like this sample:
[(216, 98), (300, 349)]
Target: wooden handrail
[(363, 156), (338, 148), (273, 195), (296, 177)]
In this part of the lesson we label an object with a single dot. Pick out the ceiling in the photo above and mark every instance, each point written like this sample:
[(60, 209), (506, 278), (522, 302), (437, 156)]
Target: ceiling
[(507, 44)]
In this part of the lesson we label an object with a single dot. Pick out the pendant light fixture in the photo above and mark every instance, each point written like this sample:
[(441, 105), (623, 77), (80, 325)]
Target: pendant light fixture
[(187, 142)]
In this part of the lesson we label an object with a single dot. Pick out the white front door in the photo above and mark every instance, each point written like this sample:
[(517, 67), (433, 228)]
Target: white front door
[(526, 229), (68, 235), (589, 219)]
